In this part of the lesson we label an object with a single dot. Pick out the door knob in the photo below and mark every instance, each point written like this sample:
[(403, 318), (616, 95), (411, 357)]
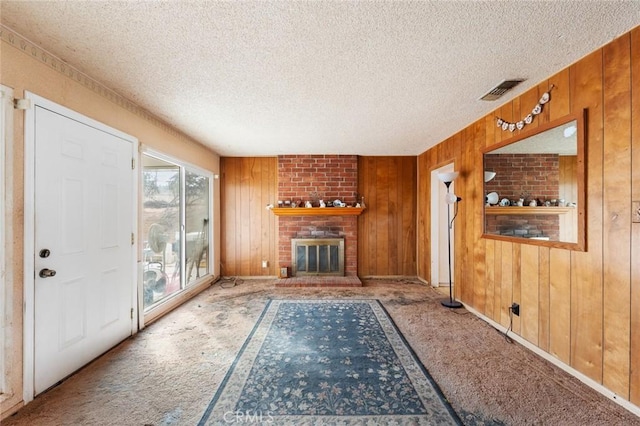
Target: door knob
[(46, 273)]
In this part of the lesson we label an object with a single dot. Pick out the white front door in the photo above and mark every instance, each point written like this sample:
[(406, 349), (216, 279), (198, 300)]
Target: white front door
[(83, 303)]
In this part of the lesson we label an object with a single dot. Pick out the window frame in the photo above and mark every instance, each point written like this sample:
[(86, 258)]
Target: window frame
[(169, 303)]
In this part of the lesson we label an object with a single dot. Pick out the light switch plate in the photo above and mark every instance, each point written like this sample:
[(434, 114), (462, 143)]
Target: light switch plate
[(635, 211)]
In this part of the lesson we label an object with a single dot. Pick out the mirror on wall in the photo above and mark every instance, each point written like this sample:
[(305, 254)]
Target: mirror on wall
[(535, 186)]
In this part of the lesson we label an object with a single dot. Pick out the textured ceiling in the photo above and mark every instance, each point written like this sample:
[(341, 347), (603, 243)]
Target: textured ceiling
[(257, 78)]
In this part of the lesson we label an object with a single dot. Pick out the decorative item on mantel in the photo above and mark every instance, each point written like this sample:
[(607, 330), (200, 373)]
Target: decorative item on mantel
[(506, 125), (492, 199), (319, 207)]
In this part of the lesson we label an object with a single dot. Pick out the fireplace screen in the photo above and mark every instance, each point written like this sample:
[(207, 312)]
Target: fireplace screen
[(314, 256)]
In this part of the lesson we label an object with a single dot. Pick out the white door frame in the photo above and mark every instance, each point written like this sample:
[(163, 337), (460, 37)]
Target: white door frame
[(6, 140), (184, 166), (438, 191), (29, 227)]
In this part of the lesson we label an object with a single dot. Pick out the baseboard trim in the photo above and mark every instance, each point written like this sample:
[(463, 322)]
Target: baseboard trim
[(388, 277), (555, 361), (11, 410), (248, 277), (177, 300), (425, 282)]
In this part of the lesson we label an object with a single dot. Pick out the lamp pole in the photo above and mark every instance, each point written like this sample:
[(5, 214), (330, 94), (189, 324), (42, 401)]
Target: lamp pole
[(450, 303)]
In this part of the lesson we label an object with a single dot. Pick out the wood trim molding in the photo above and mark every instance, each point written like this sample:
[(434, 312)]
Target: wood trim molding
[(317, 211)]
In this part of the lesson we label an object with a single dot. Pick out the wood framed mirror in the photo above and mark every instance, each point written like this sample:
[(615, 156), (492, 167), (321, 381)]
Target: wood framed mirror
[(534, 189)]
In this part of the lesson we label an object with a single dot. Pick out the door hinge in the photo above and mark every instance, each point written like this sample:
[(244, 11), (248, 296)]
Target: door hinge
[(133, 238), (22, 104), (133, 164), (131, 313)]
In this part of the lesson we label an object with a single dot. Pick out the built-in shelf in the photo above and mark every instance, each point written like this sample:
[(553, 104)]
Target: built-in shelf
[(317, 211), (513, 210)]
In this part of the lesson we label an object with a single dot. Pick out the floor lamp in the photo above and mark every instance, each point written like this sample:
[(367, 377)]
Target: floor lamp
[(450, 198)]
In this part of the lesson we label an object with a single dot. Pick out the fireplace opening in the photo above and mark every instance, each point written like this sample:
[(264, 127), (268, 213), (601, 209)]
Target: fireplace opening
[(317, 256)]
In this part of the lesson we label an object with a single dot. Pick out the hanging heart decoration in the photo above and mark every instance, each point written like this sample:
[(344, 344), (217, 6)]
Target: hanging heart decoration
[(537, 109)]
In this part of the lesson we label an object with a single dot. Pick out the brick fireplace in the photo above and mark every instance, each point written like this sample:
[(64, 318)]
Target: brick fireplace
[(311, 178)]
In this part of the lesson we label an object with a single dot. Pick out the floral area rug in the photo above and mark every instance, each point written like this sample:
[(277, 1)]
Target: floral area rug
[(324, 362)]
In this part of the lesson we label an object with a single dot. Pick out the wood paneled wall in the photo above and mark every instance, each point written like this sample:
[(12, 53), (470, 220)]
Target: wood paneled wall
[(387, 228), (581, 307), (248, 229)]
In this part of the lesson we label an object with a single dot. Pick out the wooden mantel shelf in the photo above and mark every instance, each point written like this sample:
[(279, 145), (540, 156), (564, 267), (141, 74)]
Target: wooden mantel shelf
[(513, 210), (317, 211)]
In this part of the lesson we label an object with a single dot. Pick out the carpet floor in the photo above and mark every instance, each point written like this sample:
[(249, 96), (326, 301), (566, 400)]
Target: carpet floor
[(168, 373)]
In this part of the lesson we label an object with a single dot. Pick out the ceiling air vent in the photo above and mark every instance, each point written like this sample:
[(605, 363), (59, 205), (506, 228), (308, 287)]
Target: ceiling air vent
[(501, 89)]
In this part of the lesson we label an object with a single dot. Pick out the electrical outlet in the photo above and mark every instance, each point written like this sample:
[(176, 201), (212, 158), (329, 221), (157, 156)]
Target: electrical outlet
[(515, 308), (635, 211), (265, 263)]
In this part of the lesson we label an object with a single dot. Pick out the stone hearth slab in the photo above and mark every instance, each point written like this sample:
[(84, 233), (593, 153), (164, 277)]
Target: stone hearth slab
[(319, 282)]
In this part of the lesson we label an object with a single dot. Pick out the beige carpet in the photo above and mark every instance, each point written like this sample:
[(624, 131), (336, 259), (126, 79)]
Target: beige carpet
[(168, 373)]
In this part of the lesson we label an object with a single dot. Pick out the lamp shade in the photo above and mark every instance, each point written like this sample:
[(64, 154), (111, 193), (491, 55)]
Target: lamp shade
[(447, 177), (451, 198), (492, 198), (489, 175)]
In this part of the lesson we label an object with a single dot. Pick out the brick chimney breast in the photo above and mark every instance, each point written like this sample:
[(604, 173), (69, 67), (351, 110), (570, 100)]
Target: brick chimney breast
[(313, 178)]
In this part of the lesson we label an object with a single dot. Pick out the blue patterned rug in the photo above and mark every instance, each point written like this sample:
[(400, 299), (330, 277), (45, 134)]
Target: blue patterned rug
[(319, 362)]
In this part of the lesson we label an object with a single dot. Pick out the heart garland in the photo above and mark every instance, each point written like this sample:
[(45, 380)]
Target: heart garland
[(506, 125)]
